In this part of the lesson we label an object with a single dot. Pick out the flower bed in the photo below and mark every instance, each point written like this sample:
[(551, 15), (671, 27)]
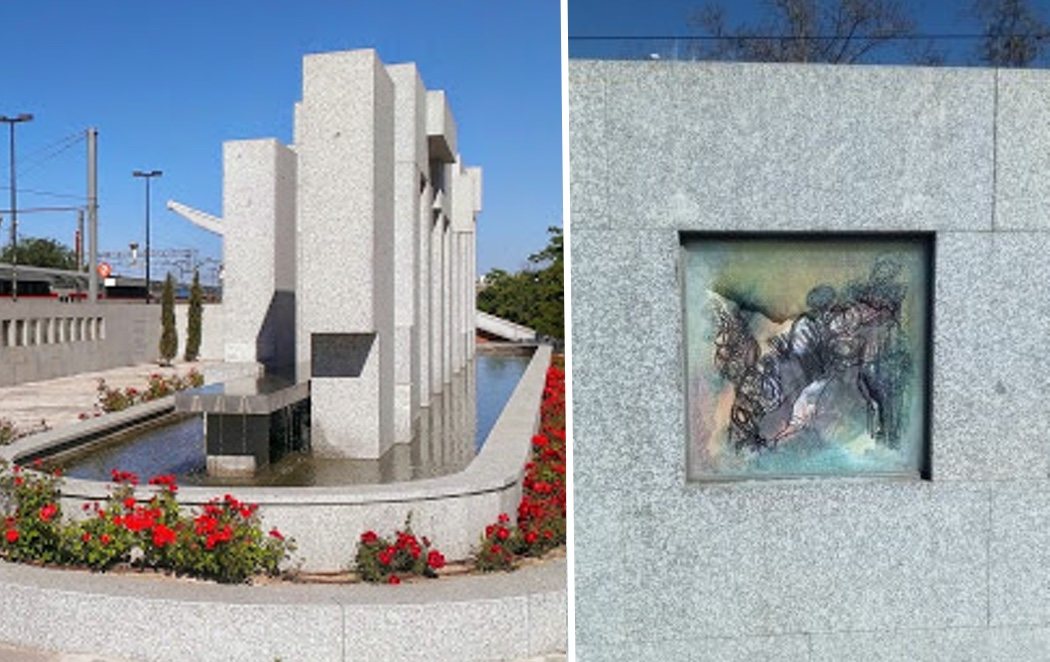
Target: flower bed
[(10, 433), (158, 386), (222, 541), (381, 560), (540, 524)]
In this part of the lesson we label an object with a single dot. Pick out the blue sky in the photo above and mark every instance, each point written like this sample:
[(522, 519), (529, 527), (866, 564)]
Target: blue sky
[(166, 83), (670, 17)]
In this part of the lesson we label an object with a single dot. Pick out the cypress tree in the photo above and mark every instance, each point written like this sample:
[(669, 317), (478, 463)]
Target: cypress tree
[(193, 326), (169, 338)]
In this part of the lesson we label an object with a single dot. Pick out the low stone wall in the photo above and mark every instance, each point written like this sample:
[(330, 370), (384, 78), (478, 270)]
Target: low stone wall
[(452, 510), (503, 616), (46, 339)]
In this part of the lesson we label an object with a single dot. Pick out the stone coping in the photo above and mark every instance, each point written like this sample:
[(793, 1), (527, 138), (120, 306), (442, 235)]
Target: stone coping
[(498, 466), (152, 617), (262, 395)]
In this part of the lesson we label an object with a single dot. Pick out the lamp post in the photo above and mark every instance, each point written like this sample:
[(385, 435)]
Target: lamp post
[(12, 121), (147, 175)]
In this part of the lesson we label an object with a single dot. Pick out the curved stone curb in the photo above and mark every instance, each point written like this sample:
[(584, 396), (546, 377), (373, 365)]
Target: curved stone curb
[(452, 510), (502, 616)]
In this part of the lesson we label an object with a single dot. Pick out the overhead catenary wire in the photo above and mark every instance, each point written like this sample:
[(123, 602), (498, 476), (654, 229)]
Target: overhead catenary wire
[(39, 154), (50, 194)]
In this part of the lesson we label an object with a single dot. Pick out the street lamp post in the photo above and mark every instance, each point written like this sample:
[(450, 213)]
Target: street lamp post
[(12, 121), (147, 175)]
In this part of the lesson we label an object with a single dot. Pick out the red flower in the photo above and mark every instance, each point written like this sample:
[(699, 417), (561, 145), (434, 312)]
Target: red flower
[(504, 518), (274, 533), (11, 536), (393, 579), (387, 555), (496, 550), (369, 537), (502, 533), (140, 520), (162, 535), (531, 537), (48, 511), (18, 481), (86, 537), (204, 524), (435, 559), (167, 480), (104, 538), (129, 503)]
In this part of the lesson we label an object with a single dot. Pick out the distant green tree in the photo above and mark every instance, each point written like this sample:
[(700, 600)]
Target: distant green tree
[(534, 296), (169, 337), (193, 326), (40, 252)]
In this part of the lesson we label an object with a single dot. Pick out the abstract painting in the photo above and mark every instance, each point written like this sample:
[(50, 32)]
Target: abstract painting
[(806, 355)]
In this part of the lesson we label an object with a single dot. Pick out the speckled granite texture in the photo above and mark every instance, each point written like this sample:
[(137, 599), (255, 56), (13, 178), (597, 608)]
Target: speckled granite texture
[(952, 568)]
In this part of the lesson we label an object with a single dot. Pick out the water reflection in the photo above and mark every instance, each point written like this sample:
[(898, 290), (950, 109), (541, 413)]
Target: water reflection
[(448, 435)]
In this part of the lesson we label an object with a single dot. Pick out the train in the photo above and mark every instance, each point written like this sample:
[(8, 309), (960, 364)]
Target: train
[(72, 286)]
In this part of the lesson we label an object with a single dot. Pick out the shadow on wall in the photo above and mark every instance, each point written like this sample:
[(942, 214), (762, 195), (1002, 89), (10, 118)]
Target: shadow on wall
[(275, 344)]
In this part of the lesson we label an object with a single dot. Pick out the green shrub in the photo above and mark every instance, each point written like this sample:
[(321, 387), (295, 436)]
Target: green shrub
[(194, 319), (169, 337)]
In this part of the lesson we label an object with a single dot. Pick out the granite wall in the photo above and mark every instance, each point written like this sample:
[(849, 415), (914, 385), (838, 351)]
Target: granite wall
[(45, 339), (953, 567)]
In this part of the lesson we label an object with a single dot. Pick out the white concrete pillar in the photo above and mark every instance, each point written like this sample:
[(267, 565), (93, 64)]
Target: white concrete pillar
[(424, 325), (441, 149), (456, 352), (345, 142), (259, 254), (446, 301), (437, 304), (410, 168), (472, 261)]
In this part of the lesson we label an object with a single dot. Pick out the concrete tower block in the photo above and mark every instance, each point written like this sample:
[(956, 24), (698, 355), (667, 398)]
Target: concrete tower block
[(446, 275), (441, 128), (472, 261), (437, 295), (410, 165), (423, 232), (345, 142), (441, 150), (259, 187), (462, 222)]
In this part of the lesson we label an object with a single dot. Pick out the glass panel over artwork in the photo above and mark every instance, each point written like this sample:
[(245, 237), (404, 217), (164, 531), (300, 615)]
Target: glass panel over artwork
[(806, 355)]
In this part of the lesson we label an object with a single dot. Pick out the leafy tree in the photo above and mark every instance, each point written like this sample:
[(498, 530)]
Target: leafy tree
[(827, 31), (534, 296), (1015, 35), (193, 327), (169, 338), (40, 252)]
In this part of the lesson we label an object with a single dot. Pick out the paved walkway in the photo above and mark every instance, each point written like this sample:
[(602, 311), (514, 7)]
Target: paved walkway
[(59, 402)]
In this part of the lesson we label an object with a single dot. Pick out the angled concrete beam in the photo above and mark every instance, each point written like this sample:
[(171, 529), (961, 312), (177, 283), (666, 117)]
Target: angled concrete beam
[(199, 218)]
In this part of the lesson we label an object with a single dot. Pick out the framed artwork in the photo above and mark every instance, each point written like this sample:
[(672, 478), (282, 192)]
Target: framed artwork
[(807, 355)]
